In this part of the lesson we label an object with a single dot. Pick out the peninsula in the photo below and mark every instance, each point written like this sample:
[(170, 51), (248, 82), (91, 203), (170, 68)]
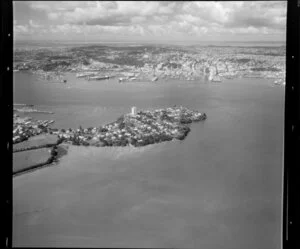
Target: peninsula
[(36, 144), (140, 129)]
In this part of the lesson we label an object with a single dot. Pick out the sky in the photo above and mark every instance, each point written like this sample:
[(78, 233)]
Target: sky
[(150, 21)]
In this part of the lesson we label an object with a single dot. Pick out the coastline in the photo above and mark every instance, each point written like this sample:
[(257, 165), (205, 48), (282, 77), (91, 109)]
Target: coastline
[(135, 130), (170, 179), (151, 63), (49, 112)]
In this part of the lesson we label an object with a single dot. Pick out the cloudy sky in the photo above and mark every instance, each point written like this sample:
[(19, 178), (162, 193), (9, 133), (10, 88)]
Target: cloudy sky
[(145, 21)]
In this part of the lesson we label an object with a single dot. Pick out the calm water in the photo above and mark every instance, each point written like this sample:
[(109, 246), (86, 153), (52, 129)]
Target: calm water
[(30, 44), (219, 188)]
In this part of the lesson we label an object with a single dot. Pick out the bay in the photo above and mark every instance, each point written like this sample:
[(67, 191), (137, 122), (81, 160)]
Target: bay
[(219, 188)]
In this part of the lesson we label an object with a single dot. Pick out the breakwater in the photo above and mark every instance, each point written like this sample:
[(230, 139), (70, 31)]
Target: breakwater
[(28, 110)]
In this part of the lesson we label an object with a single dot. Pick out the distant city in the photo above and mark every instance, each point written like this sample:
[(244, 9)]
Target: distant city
[(154, 62)]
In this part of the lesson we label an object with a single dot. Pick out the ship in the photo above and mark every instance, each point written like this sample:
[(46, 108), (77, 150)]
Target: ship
[(83, 75), (98, 77)]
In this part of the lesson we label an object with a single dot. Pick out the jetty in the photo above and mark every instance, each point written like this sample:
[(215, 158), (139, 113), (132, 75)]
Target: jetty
[(26, 109)]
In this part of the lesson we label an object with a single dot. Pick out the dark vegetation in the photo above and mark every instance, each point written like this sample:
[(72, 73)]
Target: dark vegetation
[(261, 69)]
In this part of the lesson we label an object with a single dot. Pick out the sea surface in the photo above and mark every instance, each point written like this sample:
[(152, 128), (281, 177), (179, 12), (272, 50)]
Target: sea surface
[(34, 44), (219, 188)]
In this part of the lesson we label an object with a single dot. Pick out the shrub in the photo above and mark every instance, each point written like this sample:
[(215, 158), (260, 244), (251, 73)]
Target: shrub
[(102, 129)]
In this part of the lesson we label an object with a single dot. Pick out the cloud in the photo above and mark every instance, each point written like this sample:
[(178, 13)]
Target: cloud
[(138, 19), (146, 18), (21, 29), (33, 24), (269, 15), (54, 15)]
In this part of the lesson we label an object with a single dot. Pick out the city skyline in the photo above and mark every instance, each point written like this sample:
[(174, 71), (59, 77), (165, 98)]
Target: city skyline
[(145, 21)]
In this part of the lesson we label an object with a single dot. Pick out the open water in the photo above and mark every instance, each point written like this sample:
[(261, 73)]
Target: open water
[(219, 188)]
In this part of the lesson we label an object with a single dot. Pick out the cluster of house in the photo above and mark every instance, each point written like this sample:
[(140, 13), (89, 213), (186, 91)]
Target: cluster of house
[(23, 128), (136, 128), (55, 76), (213, 63)]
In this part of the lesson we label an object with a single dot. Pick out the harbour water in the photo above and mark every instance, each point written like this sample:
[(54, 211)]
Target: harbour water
[(219, 188)]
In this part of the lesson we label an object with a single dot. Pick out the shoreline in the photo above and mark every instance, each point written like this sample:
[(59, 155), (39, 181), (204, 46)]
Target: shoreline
[(137, 129), (150, 64), (277, 81), (56, 153)]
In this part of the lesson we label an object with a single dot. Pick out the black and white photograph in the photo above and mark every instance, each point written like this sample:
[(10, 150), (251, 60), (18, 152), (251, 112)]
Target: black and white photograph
[(155, 124)]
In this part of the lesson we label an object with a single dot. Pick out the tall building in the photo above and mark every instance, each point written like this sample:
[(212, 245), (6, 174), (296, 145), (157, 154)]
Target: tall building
[(133, 111)]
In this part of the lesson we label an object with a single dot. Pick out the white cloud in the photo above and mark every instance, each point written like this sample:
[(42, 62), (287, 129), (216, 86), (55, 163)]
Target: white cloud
[(189, 18), (21, 29), (33, 24), (138, 19), (146, 18), (54, 15)]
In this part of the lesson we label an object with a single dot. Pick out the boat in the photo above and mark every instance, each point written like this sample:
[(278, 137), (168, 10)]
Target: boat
[(82, 75), (98, 77), (154, 78)]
